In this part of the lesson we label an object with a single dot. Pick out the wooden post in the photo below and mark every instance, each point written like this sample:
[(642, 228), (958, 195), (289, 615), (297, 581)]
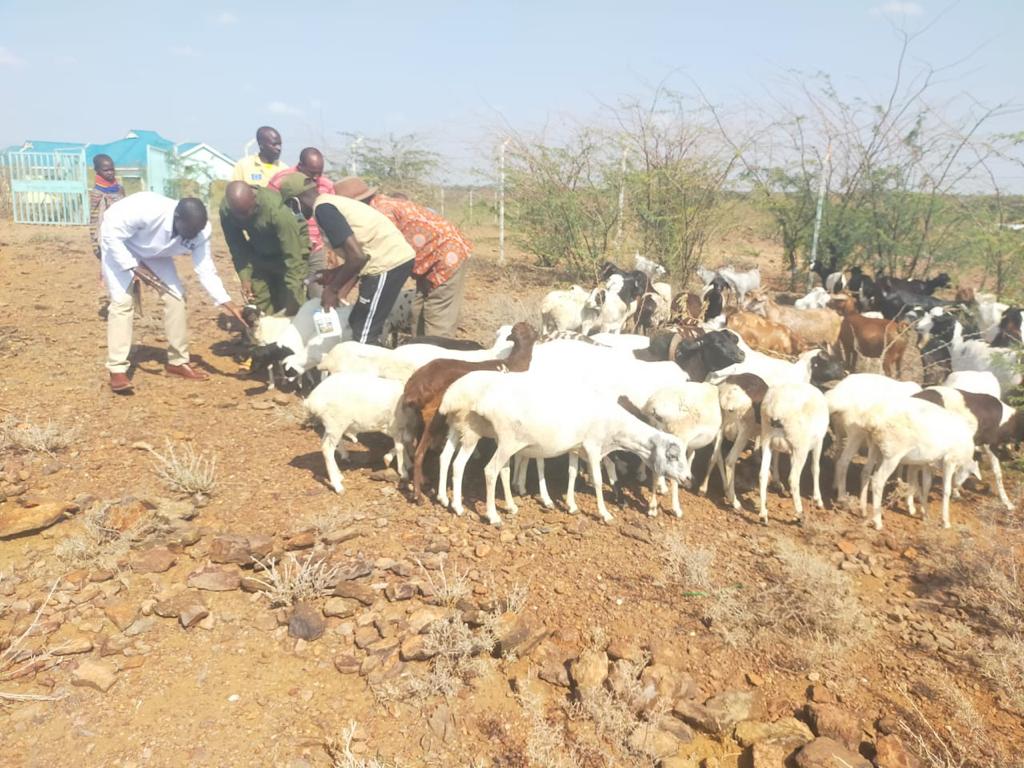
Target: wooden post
[(471, 206), (622, 197), (823, 184)]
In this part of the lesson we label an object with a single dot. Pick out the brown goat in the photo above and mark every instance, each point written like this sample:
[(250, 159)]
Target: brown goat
[(816, 327), (872, 337), (764, 335), (426, 387)]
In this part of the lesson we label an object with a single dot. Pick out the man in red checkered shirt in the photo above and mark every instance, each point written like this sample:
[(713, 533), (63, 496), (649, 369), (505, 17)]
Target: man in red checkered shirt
[(441, 255)]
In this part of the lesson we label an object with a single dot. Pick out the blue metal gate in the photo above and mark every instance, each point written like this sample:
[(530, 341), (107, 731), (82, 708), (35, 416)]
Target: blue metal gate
[(49, 187)]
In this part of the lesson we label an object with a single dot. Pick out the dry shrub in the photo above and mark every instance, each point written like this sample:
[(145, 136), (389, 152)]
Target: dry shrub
[(185, 471), (17, 660), (102, 546), (805, 608), (546, 744), (339, 751), (295, 579), (24, 437), (956, 737)]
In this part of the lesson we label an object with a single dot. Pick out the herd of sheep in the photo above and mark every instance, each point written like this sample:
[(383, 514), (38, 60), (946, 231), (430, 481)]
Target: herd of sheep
[(724, 369)]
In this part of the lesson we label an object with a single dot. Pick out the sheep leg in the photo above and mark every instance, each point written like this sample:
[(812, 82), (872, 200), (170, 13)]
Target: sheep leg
[(506, 487), (450, 444), (570, 488), (912, 480), (816, 473), (762, 478), (715, 456), (878, 479), (851, 446), (926, 487), (545, 498), (998, 472), (328, 446), (776, 477), (676, 509), (797, 459), (520, 466), (594, 457), (613, 478), (498, 462), (400, 458), (729, 471), (865, 476), (468, 445), (429, 414), (948, 468), (652, 505)]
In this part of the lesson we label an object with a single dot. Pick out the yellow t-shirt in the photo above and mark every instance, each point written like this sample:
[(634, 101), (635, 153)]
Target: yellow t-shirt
[(254, 171)]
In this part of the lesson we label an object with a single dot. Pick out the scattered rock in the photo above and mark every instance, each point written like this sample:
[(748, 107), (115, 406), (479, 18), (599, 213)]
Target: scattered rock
[(822, 695), (140, 626), (141, 445), (305, 622), (517, 634), (340, 535), (785, 731), (419, 621), (836, 723), (72, 644), (482, 550), (415, 648), (890, 753), (590, 670), (366, 636), (731, 707), (301, 540), (215, 579), (662, 685), (653, 742), (359, 592), (847, 547), (187, 607), (754, 679), (195, 612), (228, 548), (98, 675), (262, 405), (403, 590), (265, 622), (629, 650), (339, 607), (442, 723), (347, 664), (16, 521), (126, 514), (153, 560), (355, 570), (121, 613), (552, 662), (768, 754), (826, 753), (386, 475)]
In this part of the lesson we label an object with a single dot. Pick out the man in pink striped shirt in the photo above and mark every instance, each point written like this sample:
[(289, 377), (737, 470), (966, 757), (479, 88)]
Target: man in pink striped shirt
[(311, 165)]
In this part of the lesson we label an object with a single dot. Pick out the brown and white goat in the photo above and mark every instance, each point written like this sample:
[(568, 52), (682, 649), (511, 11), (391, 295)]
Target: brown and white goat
[(815, 327), (426, 387), (763, 334), (870, 337)]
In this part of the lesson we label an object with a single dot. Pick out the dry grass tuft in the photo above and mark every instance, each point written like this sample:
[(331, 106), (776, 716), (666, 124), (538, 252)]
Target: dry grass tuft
[(185, 471), (805, 608), (102, 546), (295, 579), (339, 751), (546, 744), (18, 660), (24, 437)]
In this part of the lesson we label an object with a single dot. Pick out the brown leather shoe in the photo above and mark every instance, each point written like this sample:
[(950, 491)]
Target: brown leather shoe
[(186, 372), (119, 382)]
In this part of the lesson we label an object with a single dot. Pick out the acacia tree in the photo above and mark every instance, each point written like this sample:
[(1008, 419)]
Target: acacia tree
[(396, 163)]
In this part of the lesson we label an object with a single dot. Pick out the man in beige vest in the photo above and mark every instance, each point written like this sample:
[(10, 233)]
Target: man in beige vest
[(372, 250)]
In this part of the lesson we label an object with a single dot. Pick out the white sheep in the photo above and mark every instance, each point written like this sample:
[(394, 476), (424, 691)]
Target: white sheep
[(604, 310), (739, 399), (849, 403), (916, 433), (563, 310), (990, 313), (741, 282), (350, 403), (818, 298), (794, 419), (690, 411), (542, 417), (981, 382)]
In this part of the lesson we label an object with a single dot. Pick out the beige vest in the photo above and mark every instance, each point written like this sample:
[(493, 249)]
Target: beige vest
[(381, 241)]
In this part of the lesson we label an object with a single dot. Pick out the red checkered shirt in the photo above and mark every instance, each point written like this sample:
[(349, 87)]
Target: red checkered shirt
[(440, 247)]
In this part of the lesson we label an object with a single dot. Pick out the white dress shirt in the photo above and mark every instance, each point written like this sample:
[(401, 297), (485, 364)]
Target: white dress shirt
[(139, 228)]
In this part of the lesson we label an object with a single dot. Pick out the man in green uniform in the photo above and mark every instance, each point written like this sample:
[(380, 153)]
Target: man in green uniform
[(269, 247)]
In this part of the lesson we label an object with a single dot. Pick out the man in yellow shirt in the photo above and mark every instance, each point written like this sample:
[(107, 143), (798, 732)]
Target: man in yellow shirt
[(257, 170)]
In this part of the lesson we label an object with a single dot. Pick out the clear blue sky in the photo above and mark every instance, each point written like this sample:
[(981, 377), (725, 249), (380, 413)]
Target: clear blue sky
[(452, 71)]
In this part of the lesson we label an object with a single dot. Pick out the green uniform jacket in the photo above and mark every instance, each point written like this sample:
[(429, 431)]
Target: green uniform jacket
[(271, 250)]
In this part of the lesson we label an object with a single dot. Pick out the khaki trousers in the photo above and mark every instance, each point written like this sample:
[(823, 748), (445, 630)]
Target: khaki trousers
[(121, 312), (435, 311)]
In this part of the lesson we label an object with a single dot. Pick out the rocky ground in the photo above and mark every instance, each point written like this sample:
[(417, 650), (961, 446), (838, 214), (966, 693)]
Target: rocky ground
[(143, 626)]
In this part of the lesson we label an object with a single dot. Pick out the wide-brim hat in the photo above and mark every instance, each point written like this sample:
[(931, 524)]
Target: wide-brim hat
[(294, 185), (354, 187)]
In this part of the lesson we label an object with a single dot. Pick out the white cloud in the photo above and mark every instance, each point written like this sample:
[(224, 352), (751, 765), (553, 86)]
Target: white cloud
[(280, 108), (226, 18), (9, 58), (897, 8), (184, 51)]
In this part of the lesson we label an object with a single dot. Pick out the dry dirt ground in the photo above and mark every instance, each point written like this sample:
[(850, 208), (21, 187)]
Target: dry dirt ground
[(553, 641)]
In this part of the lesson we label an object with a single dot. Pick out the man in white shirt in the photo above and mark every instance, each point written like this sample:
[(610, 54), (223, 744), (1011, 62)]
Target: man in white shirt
[(140, 235)]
